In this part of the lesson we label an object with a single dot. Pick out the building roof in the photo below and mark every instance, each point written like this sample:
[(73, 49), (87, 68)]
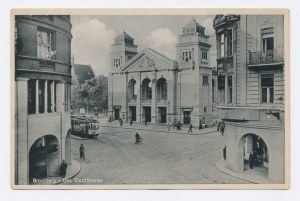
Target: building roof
[(83, 72), (193, 27)]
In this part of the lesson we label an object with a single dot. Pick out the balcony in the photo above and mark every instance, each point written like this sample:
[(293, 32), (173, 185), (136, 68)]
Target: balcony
[(132, 100), (262, 58), (161, 101), (146, 101)]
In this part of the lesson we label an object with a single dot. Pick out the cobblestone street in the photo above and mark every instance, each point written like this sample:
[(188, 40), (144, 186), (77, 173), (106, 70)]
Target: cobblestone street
[(162, 158)]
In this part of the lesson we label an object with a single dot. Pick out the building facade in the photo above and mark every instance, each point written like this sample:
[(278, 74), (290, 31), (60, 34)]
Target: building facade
[(251, 96), (42, 96), (149, 87)]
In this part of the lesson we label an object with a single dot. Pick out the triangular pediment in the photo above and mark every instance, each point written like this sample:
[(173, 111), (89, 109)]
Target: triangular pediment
[(148, 60)]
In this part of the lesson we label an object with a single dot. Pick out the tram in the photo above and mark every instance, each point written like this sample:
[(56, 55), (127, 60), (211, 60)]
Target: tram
[(85, 127)]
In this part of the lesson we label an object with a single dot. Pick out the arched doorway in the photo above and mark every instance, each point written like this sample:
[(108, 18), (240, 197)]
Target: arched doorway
[(252, 144), (68, 148), (44, 158)]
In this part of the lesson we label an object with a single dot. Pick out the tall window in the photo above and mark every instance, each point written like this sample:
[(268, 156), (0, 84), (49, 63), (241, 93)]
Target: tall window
[(186, 56), (46, 44), (213, 90), (41, 94), (229, 43), (204, 55), (229, 89), (205, 80), (267, 88), (222, 45), (31, 96), (267, 39)]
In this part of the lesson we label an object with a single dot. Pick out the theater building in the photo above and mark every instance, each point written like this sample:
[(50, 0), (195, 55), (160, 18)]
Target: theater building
[(147, 86), (42, 96), (251, 77)]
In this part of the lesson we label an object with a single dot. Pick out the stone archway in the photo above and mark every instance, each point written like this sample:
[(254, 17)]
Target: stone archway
[(253, 143), (44, 158)]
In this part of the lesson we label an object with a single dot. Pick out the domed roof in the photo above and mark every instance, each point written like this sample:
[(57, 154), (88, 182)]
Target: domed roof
[(193, 27), (124, 38)]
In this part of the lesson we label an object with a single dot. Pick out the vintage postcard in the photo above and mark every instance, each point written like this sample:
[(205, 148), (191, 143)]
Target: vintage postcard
[(150, 99)]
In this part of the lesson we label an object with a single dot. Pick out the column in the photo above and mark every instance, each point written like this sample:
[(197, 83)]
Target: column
[(21, 136), (37, 97), (138, 99), (46, 96), (226, 89), (154, 106), (52, 95)]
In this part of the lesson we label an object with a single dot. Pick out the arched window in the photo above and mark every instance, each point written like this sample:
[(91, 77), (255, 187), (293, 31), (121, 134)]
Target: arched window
[(132, 92), (162, 89), (146, 89)]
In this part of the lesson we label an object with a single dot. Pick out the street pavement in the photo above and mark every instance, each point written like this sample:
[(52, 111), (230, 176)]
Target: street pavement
[(164, 157)]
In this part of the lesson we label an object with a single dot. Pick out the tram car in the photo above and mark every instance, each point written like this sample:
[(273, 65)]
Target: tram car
[(85, 127)]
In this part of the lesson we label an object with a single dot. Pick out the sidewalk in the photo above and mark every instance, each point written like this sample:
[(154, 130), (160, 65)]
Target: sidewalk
[(256, 176), (156, 127), (72, 171)]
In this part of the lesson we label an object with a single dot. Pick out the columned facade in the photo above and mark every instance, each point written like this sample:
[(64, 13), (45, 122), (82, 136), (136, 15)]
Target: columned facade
[(148, 87), (42, 89)]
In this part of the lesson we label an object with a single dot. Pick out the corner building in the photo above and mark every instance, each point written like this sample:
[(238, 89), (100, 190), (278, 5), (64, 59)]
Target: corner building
[(42, 94), (251, 96), (149, 87)]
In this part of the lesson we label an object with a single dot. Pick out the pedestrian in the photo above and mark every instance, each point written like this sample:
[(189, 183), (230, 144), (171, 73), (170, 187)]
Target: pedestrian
[(131, 122), (121, 122), (224, 153), (222, 127), (82, 152), (251, 158), (63, 169), (145, 122), (200, 125), (190, 128), (137, 138)]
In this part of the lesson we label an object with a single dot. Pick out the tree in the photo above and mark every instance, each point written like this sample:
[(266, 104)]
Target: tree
[(92, 95)]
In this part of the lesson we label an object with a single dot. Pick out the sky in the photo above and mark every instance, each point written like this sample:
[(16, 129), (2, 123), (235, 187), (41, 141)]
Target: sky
[(93, 35)]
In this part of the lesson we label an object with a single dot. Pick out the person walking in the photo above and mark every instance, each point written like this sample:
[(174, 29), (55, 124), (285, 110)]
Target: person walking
[(224, 153), (251, 159), (131, 122), (121, 122), (82, 152), (200, 125), (63, 169), (190, 128)]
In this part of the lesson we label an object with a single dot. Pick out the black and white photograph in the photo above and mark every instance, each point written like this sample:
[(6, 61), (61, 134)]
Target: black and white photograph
[(153, 99)]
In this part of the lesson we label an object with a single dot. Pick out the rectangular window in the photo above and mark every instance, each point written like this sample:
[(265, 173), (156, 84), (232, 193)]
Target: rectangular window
[(204, 56), (205, 80), (267, 88), (186, 56), (117, 62), (46, 44)]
